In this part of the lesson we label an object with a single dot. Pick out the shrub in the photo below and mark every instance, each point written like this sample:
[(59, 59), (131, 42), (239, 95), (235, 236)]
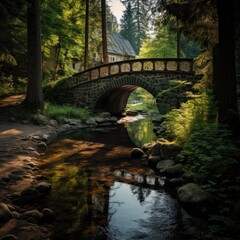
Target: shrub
[(65, 111), (58, 91)]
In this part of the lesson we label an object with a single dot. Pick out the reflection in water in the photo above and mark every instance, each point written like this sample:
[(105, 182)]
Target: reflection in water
[(140, 131), (142, 213), (99, 192)]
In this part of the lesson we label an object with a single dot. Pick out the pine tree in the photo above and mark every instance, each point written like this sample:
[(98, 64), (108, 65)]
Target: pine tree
[(140, 14), (128, 29)]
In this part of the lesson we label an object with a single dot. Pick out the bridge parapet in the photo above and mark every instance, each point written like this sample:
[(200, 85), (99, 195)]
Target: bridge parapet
[(134, 66)]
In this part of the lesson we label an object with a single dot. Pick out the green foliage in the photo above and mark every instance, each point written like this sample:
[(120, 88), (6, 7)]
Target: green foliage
[(144, 98), (135, 20), (209, 153), (180, 122), (208, 150), (6, 85), (65, 111), (58, 91)]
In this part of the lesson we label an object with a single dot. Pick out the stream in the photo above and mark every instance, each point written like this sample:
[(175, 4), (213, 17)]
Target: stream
[(99, 192)]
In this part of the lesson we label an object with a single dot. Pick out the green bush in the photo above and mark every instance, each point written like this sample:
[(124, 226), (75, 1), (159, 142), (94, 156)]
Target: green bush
[(58, 92), (65, 111)]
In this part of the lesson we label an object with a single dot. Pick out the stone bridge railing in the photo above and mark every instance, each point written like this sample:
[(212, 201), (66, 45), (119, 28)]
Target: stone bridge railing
[(134, 66)]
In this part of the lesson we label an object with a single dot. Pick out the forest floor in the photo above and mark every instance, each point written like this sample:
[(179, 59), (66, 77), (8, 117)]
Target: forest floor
[(19, 166), (15, 144)]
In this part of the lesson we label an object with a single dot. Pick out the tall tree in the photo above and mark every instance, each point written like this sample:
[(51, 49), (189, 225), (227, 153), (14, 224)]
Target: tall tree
[(228, 108), (104, 32), (128, 29), (34, 98), (86, 35), (140, 11)]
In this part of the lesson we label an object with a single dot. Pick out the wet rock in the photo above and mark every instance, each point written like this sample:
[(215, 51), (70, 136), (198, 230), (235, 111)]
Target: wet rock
[(18, 172), (28, 148), (153, 161), (176, 182), (170, 149), (113, 119), (15, 214), (43, 187), (25, 230), (195, 198), (5, 213), (131, 113), (53, 123), (174, 170), (25, 121), (165, 164), (41, 119), (46, 137), (34, 215), (105, 115), (91, 121), (48, 215), (136, 153), (147, 146), (155, 150), (9, 237), (29, 194), (42, 146)]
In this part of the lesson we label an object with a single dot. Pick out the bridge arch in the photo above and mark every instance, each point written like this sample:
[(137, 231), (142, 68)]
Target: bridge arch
[(113, 98), (108, 87)]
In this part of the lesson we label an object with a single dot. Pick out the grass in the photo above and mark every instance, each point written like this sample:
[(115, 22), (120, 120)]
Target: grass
[(59, 112)]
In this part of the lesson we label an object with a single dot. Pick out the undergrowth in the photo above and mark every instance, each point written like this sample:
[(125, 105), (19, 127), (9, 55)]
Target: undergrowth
[(210, 156), (59, 112)]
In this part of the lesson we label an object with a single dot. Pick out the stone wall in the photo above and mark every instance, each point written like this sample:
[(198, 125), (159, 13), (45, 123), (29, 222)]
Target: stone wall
[(115, 90)]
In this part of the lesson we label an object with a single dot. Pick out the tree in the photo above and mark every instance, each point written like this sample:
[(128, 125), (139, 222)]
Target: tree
[(128, 29), (140, 13), (34, 97), (86, 35), (104, 32), (212, 24), (228, 107)]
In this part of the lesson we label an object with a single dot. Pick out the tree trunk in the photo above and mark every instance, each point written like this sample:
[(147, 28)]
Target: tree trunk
[(228, 108), (104, 32), (178, 42), (86, 35), (34, 97)]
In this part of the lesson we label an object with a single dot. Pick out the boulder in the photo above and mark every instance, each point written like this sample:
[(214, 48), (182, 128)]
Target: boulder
[(165, 164), (48, 215), (5, 213), (42, 146), (105, 115), (195, 198), (91, 121), (41, 119), (29, 194), (153, 161), (131, 113), (43, 187), (35, 214), (174, 170), (53, 123), (147, 146), (170, 149), (155, 150), (136, 153)]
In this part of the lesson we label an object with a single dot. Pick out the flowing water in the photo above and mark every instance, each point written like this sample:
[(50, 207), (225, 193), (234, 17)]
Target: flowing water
[(99, 192)]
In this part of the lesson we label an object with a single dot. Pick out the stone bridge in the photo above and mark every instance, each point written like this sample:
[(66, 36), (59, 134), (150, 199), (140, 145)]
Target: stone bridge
[(107, 87)]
